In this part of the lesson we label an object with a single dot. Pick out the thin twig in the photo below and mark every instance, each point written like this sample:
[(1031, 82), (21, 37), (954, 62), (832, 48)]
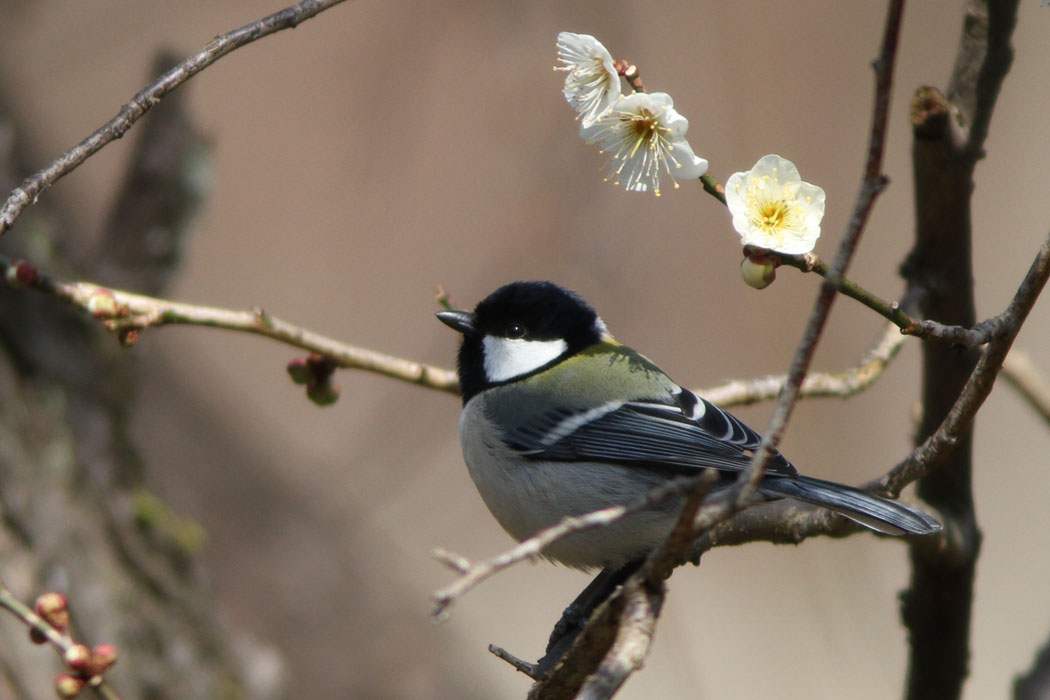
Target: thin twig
[(790, 523), (523, 666), (473, 574), (936, 447), (872, 184), (965, 336), (59, 641), (713, 188), (617, 637), (31, 188), (819, 384), (982, 332), (629, 649), (124, 313), (890, 310)]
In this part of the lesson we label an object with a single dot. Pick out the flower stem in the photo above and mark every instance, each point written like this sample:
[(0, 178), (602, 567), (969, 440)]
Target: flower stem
[(713, 188), (890, 310)]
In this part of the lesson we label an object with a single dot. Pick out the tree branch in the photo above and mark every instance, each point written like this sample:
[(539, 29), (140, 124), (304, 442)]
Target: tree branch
[(473, 574), (737, 497), (127, 314), (948, 139), (61, 642), (31, 188), (890, 310), (935, 448), (872, 184), (818, 384), (966, 336), (616, 639)]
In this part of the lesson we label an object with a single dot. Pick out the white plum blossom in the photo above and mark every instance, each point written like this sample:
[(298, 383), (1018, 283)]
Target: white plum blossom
[(592, 84), (773, 209), (646, 138)]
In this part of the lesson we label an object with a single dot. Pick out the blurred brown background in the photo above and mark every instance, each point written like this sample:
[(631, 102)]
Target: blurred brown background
[(382, 148)]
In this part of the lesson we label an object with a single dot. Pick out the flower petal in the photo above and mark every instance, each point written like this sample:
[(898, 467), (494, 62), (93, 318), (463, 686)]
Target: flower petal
[(772, 208), (592, 83), (645, 136)]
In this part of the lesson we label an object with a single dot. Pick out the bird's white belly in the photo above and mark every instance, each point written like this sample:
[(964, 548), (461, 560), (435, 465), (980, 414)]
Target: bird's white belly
[(527, 496)]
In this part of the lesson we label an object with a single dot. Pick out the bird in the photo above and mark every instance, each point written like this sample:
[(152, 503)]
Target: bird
[(560, 419)]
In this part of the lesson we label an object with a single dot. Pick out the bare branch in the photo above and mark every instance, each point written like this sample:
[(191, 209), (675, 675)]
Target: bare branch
[(981, 333), (790, 523), (643, 596), (819, 384), (126, 314), (60, 641), (634, 634), (872, 184), (936, 447), (473, 574), (948, 141), (21, 197), (890, 310), (521, 665), (624, 662)]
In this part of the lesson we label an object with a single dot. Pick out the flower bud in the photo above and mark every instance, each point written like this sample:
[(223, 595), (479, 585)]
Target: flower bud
[(299, 371), (79, 658), (68, 686), (128, 336), (320, 366), (20, 274), (103, 656), (102, 304), (758, 274), (323, 392), (54, 608)]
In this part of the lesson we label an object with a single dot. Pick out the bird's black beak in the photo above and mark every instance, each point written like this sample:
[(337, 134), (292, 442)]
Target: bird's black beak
[(462, 321)]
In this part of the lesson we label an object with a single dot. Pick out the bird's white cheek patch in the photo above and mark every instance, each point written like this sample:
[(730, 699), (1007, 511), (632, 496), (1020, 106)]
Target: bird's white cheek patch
[(506, 358)]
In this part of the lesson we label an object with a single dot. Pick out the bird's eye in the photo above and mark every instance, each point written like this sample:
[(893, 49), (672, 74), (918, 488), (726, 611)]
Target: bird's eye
[(515, 330)]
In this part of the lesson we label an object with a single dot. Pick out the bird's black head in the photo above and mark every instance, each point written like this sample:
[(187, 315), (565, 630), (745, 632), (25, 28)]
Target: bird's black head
[(519, 329)]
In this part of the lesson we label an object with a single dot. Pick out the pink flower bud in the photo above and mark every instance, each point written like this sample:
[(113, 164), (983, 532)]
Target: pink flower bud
[(20, 274), (103, 656), (54, 608), (68, 686), (78, 658)]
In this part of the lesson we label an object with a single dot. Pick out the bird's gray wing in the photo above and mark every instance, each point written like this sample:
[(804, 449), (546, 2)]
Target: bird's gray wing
[(683, 433)]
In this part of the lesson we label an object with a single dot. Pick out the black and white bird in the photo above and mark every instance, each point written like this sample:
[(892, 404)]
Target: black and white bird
[(560, 419)]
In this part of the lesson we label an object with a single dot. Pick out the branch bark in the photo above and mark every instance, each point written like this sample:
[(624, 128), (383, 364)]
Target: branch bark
[(948, 140)]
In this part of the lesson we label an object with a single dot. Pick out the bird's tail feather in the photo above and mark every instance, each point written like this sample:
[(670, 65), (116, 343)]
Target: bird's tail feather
[(879, 514)]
